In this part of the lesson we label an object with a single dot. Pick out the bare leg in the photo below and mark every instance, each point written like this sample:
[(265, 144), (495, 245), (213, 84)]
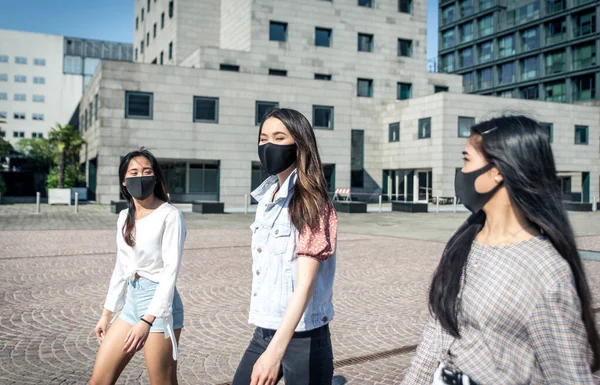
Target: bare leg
[(111, 359), (158, 352)]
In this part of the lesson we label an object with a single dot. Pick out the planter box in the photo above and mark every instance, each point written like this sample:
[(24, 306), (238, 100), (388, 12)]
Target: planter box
[(117, 206), (350, 207), (208, 207), (578, 206), (59, 196), (82, 193), (410, 207)]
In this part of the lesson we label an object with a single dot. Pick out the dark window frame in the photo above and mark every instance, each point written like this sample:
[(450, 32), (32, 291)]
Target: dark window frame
[(272, 34), (428, 135), (331, 120), (459, 133), (258, 119), (549, 128), (399, 86), (326, 77), (394, 132), (229, 67), (128, 115), (587, 135), (409, 45), (371, 42), (276, 72), (329, 31), (370, 88), (216, 109)]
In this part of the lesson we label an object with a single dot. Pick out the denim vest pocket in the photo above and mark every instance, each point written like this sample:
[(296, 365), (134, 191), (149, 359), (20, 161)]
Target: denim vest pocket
[(280, 238)]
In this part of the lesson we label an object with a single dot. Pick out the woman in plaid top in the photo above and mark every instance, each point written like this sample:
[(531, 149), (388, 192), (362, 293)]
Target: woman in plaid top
[(509, 301)]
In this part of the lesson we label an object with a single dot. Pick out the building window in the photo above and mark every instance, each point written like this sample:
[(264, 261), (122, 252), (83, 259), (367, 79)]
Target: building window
[(19, 115), (39, 62), (148, 6), (466, 8), (556, 62), (20, 97), (322, 37), (137, 23), (486, 4), (523, 14), (20, 60), (3, 59), (530, 92), (3, 114), (18, 134), (365, 42), (3, 77), (529, 68), (136, 54), (39, 80), (277, 31), (506, 46), (467, 82), (486, 26), (357, 156), (171, 9), (405, 6), (584, 24), (3, 96), (262, 108), (162, 21), (364, 88), (556, 92), (466, 32), (142, 47), (147, 39), (206, 109), (448, 14), (170, 50), (485, 78), (554, 6), (154, 31), (322, 77), (403, 91), (162, 57), (404, 47), (464, 126), (556, 31), (37, 116), (448, 38), (394, 132), (275, 72), (424, 128), (323, 117), (366, 3), (507, 73), (486, 52), (584, 87), (584, 56), (39, 98), (438, 89), (581, 135), (448, 63), (20, 79), (229, 67), (530, 40), (138, 105), (548, 128), (96, 107), (142, 14), (466, 57), (73, 65)]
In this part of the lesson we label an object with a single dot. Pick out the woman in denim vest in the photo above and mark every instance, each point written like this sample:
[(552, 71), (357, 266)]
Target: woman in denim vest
[(293, 260)]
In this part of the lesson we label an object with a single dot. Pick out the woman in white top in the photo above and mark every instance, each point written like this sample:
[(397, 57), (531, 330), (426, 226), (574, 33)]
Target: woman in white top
[(150, 239)]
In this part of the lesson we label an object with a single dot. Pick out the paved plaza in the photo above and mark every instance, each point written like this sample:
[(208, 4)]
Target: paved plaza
[(55, 267)]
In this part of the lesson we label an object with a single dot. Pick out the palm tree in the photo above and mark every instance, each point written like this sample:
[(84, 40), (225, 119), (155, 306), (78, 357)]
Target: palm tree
[(68, 143)]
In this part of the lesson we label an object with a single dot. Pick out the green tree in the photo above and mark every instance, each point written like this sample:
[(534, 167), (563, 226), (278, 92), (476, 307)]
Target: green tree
[(5, 147), (41, 152), (67, 143)]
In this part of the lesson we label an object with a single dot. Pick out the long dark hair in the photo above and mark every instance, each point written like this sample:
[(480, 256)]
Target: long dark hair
[(160, 190), (520, 149), (310, 198)]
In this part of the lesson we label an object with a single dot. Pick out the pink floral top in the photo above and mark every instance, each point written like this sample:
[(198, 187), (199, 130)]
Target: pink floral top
[(319, 244)]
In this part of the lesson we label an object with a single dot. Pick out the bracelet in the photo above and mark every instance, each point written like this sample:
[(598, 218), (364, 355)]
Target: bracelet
[(149, 323)]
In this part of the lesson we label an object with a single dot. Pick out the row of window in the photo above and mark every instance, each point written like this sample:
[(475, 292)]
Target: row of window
[(159, 60), (162, 16), (23, 60), (555, 31), (582, 56), (466, 8), (464, 130), (21, 134), (90, 113), (140, 105), (404, 6), (21, 116), (23, 97), (23, 79)]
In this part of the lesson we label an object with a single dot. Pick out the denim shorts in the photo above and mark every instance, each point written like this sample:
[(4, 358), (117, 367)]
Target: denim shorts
[(139, 295)]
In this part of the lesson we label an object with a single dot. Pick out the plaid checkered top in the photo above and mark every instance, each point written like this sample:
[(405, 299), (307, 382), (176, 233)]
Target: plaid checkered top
[(520, 321)]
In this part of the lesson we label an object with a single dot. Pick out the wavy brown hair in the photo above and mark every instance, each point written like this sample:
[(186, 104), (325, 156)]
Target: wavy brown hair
[(311, 198), (160, 190)]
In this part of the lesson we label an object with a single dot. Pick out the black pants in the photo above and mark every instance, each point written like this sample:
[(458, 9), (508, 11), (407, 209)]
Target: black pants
[(308, 359)]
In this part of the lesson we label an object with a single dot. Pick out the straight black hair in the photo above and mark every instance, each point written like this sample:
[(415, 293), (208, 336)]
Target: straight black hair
[(160, 190), (520, 149)]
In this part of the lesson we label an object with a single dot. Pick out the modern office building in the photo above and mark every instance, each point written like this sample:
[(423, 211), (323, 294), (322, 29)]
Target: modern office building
[(42, 78), (528, 49), (355, 68)]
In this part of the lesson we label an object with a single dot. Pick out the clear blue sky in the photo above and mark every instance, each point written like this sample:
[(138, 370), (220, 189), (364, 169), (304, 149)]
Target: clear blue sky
[(110, 19)]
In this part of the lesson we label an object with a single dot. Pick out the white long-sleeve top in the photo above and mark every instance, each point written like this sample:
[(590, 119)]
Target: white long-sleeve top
[(159, 240)]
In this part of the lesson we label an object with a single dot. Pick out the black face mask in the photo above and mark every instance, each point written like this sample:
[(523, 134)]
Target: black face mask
[(464, 185), (276, 158), (140, 187)]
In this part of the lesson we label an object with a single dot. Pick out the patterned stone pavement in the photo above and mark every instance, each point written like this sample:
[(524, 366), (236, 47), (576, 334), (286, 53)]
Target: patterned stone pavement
[(55, 267)]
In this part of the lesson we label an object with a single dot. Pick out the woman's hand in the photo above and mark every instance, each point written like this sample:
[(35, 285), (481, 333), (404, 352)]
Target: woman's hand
[(136, 338), (102, 326), (266, 369)]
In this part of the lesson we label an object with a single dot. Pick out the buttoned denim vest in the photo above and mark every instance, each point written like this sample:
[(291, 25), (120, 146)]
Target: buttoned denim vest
[(275, 263)]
